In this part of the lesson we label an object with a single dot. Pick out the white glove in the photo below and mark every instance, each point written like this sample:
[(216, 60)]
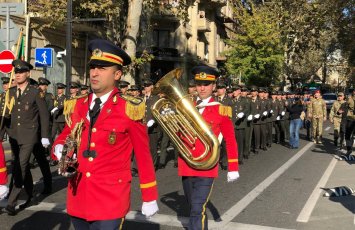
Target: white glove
[(283, 113), (250, 117), (264, 113), (150, 208), (58, 151), (232, 176), (4, 190), (240, 115), (53, 110), (45, 142), (271, 111), (257, 116), (278, 118), (150, 123)]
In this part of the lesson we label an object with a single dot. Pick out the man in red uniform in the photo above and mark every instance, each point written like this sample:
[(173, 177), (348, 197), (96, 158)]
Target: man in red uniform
[(3, 171), (3, 174), (99, 194), (197, 184)]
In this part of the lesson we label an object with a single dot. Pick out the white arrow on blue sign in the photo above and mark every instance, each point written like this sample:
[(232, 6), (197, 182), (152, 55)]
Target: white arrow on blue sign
[(44, 57)]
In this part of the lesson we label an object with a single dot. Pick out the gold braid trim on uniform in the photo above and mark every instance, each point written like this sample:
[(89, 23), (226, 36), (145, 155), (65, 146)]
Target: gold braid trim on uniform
[(135, 107), (225, 110), (9, 103), (69, 105)]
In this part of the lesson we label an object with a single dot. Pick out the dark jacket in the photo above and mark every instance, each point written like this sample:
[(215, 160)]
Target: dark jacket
[(149, 102), (295, 110), (240, 104), (58, 114), (29, 116)]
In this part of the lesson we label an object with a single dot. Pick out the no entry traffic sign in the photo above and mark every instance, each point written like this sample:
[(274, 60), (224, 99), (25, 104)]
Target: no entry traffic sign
[(6, 58)]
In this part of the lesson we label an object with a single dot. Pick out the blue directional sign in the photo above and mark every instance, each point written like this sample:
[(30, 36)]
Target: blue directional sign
[(44, 57)]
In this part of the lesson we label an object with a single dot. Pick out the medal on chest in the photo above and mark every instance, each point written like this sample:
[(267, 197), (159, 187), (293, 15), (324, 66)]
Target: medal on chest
[(112, 138)]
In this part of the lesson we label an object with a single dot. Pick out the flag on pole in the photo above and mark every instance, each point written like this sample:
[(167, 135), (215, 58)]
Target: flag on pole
[(21, 49)]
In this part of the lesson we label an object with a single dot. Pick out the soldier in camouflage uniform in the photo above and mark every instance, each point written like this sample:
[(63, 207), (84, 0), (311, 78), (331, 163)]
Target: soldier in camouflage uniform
[(318, 113), (350, 124), (335, 117)]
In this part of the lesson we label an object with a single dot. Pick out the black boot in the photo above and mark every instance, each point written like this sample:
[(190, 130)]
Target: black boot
[(349, 150)]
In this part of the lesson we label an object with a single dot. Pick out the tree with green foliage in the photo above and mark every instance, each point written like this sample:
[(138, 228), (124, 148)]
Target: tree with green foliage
[(255, 51)]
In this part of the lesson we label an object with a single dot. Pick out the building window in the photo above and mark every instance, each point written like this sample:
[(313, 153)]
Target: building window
[(161, 38)]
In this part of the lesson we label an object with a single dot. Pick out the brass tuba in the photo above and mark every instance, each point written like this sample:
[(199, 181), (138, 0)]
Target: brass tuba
[(186, 125)]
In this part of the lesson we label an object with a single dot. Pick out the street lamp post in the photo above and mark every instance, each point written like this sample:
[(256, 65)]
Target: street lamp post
[(68, 46)]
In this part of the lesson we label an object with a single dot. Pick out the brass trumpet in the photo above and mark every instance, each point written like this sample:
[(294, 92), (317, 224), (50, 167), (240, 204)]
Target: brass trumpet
[(186, 124)]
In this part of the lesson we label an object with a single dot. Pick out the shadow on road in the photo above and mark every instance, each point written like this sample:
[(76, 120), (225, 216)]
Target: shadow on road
[(347, 201), (44, 220), (179, 205)]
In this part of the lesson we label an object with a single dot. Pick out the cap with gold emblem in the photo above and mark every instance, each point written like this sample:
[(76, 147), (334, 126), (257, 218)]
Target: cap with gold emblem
[(61, 86), (123, 84), (84, 87), (147, 82), (204, 73), (74, 85), (105, 53), (21, 66), (43, 81), (5, 80), (134, 88)]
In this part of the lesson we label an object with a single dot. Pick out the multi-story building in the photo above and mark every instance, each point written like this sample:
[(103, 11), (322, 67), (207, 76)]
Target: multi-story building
[(177, 43), (173, 42)]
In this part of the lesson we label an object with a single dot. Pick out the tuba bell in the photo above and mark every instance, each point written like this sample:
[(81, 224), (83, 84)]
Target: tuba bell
[(186, 125)]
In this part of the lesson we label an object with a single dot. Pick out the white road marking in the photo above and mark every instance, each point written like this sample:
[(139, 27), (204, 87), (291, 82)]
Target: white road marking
[(312, 200), (240, 226), (161, 219), (234, 211), (326, 129), (178, 221)]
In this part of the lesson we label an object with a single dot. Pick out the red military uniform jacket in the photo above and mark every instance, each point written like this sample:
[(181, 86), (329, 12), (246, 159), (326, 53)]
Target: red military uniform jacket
[(101, 189), (3, 170), (219, 123)]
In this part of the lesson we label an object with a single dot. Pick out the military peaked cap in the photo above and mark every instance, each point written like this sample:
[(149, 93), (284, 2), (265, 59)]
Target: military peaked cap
[(133, 88), (147, 82), (5, 80), (105, 53), (43, 81), (204, 73), (123, 84), (60, 86), (21, 66), (74, 85), (84, 87)]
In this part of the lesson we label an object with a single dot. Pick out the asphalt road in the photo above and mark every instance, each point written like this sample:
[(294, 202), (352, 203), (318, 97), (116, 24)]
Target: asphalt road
[(278, 189)]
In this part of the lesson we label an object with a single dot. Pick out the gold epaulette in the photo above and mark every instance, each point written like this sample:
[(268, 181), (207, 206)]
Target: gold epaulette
[(225, 110), (135, 107), (69, 105)]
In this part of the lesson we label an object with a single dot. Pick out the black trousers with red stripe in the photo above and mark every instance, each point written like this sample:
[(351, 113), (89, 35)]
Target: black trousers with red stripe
[(197, 191)]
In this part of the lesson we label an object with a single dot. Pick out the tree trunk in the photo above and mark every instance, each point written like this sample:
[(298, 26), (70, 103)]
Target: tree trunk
[(130, 40)]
